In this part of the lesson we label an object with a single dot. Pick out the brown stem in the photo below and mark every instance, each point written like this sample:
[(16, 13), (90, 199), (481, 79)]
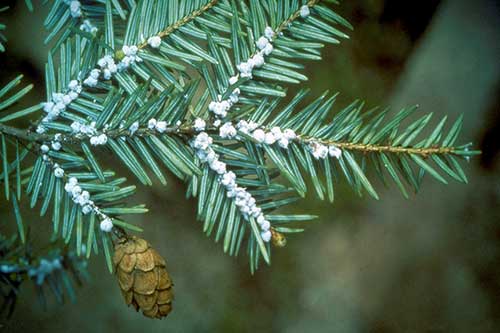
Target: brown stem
[(370, 148), (170, 29), (29, 136), (284, 25)]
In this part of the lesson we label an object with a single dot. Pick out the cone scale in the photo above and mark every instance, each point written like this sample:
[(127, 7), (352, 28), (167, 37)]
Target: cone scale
[(143, 278)]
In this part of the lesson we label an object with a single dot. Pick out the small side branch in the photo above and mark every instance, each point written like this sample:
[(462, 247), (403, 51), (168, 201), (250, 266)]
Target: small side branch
[(369, 148), (174, 27), (24, 135)]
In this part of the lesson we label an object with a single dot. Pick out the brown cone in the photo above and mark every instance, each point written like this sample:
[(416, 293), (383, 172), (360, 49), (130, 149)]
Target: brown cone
[(278, 239), (143, 277)]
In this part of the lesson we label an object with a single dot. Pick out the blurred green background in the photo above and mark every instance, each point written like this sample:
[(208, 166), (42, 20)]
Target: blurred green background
[(428, 264)]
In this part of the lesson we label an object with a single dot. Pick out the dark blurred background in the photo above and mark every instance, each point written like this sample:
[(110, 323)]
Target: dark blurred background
[(428, 264)]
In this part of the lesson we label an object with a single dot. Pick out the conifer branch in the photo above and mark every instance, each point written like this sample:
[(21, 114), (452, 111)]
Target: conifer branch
[(285, 24), (369, 148), (58, 269), (30, 136), (176, 26), (200, 96), (23, 134)]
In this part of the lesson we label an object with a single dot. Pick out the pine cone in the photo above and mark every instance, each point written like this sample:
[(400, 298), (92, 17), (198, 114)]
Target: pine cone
[(143, 277)]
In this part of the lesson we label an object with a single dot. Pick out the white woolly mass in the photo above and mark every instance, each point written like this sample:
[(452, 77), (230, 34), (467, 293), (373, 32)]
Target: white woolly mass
[(234, 97), (202, 141), (246, 127), (245, 69), (78, 195), (58, 103), (275, 135), (152, 123), (154, 41), (56, 145), (269, 33), (276, 131), (73, 85), (82, 198), (334, 151), (84, 129), (262, 42), (99, 140), (130, 57), (289, 134), (157, 125), (96, 138), (218, 166), (74, 8), (86, 209), (258, 60), (106, 225), (161, 126), (233, 80), (87, 26), (305, 11), (93, 78), (199, 125), (283, 139), (268, 49), (58, 172), (321, 151), (266, 235), (227, 131), (108, 67), (245, 202), (265, 225), (259, 135), (221, 107), (134, 127), (318, 150), (283, 143), (269, 138), (44, 149)]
